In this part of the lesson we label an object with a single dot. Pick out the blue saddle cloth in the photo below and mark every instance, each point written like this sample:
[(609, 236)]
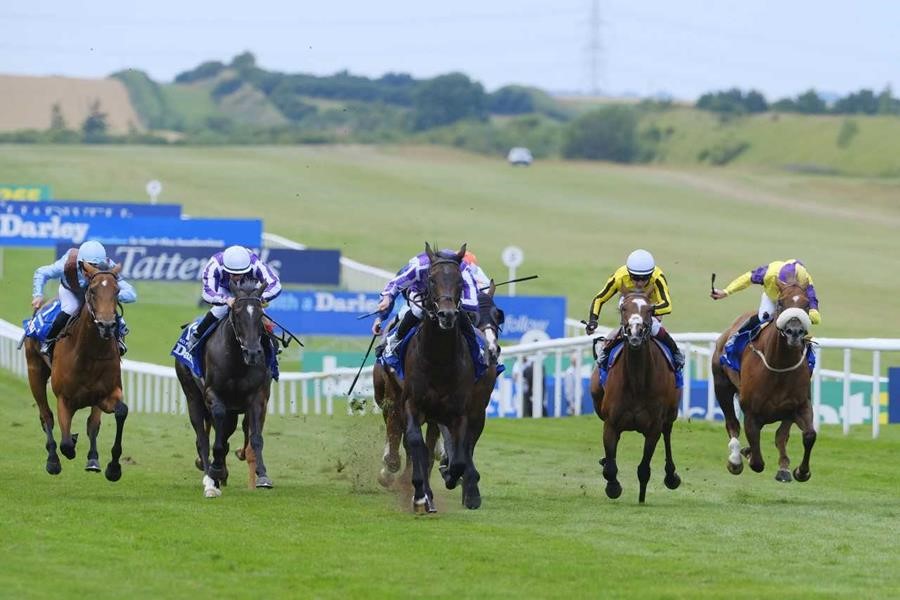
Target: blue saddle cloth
[(194, 358), (734, 349), (616, 351), (38, 326), (477, 349)]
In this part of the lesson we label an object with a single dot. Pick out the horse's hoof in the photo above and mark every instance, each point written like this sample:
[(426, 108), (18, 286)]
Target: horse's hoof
[(783, 475), (218, 473), (54, 467), (757, 467), (67, 451), (672, 481), (212, 492), (198, 463), (420, 506), (113, 472), (93, 465), (603, 461), (472, 502), (735, 469), (613, 489), (429, 505), (385, 478), (801, 476), (264, 482), (240, 454), (746, 451)]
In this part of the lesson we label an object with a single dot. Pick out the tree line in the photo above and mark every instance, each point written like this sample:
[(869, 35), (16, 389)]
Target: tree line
[(863, 102)]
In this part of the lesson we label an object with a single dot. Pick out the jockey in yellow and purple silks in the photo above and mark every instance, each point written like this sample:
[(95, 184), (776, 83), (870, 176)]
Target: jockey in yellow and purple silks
[(768, 276), (639, 273)]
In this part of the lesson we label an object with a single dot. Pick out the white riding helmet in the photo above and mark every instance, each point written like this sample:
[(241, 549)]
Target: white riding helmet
[(92, 252), (236, 259), (640, 262)]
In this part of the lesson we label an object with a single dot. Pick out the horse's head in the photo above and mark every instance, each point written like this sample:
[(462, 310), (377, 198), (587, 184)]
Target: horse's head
[(246, 320), (102, 298), (490, 318), (792, 312), (636, 311), (445, 284)]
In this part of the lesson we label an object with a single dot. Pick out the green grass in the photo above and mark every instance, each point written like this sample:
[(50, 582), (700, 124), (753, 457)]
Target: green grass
[(545, 529), (576, 222)]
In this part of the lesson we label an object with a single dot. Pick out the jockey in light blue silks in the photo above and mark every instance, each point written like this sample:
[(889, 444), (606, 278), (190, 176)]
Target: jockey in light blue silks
[(230, 267), (72, 285), (412, 281)]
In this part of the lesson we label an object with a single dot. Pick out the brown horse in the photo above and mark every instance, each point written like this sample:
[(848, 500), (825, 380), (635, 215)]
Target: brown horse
[(388, 391), (85, 373), (773, 385), (640, 396)]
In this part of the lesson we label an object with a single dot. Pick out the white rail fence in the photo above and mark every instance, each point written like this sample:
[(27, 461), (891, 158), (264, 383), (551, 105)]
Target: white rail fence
[(154, 388)]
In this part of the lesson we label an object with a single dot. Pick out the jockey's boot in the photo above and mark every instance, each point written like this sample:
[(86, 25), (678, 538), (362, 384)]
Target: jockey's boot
[(408, 321), (751, 323), (677, 354), (58, 323), (607, 345), (205, 324)]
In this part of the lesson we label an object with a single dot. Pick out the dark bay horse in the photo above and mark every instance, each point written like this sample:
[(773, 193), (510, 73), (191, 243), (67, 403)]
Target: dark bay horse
[(773, 385), (388, 391), (86, 372), (236, 380), (640, 395)]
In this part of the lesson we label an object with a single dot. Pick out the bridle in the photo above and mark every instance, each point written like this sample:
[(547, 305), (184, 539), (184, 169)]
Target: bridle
[(645, 323), (429, 305), (258, 303), (89, 297)]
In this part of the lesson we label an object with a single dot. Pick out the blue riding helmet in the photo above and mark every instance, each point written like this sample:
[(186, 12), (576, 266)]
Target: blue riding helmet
[(92, 252)]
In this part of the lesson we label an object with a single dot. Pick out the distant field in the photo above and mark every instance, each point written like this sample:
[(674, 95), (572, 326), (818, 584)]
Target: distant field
[(575, 221), (545, 530)]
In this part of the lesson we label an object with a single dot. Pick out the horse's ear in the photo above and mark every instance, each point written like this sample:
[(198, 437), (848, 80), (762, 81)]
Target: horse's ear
[(89, 269), (116, 269), (429, 251), (780, 285), (462, 252), (492, 288)]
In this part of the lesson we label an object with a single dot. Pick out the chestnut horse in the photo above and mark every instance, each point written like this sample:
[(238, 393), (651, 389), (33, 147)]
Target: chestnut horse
[(236, 380), (773, 385), (640, 395), (86, 372)]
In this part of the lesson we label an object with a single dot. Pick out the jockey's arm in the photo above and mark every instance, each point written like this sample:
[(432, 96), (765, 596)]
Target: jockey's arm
[(608, 291), (740, 282), (127, 293), (661, 297), (211, 294), (405, 278), (44, 274), (273, 285), (814, 315)]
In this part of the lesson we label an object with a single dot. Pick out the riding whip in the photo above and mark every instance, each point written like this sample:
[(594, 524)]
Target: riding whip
[(510, 281), (352, 385)]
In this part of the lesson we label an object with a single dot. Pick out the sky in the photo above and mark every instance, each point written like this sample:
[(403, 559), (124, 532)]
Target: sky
[(680, 47)]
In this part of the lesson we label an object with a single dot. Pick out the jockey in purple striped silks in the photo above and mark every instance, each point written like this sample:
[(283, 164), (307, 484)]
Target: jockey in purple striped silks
[(412, 281), (230, 267)]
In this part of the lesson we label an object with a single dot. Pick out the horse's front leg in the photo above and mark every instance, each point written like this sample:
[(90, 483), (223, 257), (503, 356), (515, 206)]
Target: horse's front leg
[(752, 427), (120, 410), (256, 413), (643, 469), (471, 495), (672, 480), (458, 453), (804, 420), (93, 428), (610, 469), (67, 440), (220, 442), (781, 440), (38, 374), (725, 391), (418, 452)]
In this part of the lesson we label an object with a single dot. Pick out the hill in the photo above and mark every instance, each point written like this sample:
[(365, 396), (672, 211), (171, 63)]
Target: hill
[(28, 102)]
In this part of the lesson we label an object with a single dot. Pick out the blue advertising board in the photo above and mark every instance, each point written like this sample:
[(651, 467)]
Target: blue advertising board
[(186, 263), (334, 313), (46, 223)]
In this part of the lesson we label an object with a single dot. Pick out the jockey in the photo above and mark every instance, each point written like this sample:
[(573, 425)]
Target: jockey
[(478, 274), (69, 268), (230, 267), (768, 276), (412, 281), (639, 273)]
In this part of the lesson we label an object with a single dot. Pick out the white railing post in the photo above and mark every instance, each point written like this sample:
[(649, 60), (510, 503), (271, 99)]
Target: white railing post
[(710, 385), (686, 389), (817, 389), (557, 387), (537, 386), (845, 410), (876, 392)]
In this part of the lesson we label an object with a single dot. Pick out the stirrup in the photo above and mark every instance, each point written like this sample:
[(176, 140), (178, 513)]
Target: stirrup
[(46, 348)]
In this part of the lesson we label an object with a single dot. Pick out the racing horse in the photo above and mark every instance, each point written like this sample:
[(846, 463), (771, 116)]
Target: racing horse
[(640, 395), (86, 372), (773, 385), (236, 379)]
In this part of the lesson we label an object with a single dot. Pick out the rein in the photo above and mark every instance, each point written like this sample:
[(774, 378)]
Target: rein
[(773, 369), (237, 337), (434, 301)]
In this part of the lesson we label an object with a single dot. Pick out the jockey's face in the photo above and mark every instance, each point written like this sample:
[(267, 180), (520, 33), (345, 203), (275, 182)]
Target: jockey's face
[(235, 277), (640, 281)]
